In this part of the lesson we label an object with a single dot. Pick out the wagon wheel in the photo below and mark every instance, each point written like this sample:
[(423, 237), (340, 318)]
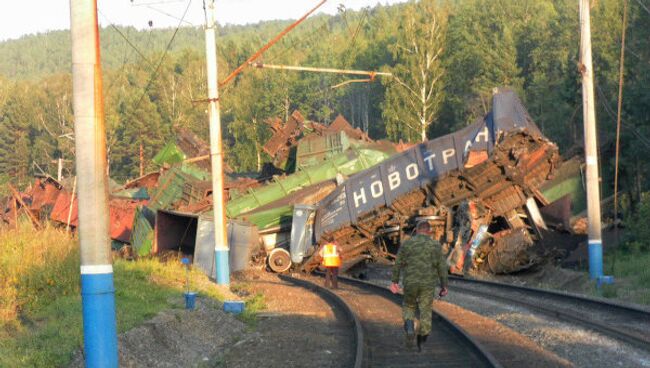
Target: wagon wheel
[(279, 260)]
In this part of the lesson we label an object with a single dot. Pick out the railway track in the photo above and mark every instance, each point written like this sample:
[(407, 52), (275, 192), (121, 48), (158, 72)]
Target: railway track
[(375, 314), (629, 324)]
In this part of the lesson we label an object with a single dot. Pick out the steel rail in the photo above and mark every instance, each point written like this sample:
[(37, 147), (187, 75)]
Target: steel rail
[(637, 309), (622, 310), (359, 338), (477, 348)]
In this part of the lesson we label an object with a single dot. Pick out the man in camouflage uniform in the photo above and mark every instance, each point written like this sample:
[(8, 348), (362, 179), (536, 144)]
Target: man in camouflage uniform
[(420, 262)]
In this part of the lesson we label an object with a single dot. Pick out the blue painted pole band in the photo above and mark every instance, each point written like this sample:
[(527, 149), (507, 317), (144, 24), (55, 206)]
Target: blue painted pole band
[(222, 266), (100, 328), (595, 259)]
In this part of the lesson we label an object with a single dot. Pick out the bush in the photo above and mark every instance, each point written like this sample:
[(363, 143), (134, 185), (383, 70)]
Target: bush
[(35, 268), (638, 229)]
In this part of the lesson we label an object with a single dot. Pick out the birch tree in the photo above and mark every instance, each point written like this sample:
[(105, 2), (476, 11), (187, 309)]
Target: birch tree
[(415, 93)]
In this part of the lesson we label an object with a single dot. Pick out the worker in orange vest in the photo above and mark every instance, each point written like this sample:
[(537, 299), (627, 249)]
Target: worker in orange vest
[(331, 260)]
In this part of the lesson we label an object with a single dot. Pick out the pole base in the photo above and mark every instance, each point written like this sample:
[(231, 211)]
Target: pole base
[(595, 259), (222, 266), (604, 280), (100, 327)]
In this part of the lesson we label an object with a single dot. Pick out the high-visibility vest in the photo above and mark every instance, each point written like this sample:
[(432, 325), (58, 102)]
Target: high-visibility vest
[(331, 256)]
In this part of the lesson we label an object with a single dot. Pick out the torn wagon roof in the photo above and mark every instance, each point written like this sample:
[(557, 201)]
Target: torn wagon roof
[(193, 146), (148, 181), (284, 136), (121, 214), (175, 188), (44, 193), (297, 130), (169, 155), (340, 124)]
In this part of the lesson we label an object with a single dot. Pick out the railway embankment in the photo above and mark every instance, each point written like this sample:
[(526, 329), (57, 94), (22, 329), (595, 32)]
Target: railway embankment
[(40, 303)]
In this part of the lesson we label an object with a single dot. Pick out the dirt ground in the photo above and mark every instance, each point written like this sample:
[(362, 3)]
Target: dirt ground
[(296, 329), (178, 338)]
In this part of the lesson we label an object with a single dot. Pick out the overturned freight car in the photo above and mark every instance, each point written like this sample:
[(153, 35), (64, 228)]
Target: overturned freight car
[(498, 163)]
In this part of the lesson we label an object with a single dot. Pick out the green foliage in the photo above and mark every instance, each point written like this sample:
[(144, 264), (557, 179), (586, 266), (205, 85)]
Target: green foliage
[(629, 261), (482, 54), (632, 275), (415, 93), (639, 236)]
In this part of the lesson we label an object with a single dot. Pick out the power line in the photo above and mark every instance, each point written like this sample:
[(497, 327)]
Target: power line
[(317, 31), (154, 75), (620, 106), (164, 2), (356, 32), (610, 112), (170, 15), (268, 45), (643, 6), (125, 38), (125, 58)]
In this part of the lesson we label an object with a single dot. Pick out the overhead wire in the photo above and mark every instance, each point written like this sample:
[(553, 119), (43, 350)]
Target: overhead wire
[(618, 115), (125, 58), (171, 15), (125, 38), (356, 32), (164, 2), (643, 6), (299, 40), (154, 75), (281, 52), (612, 114)]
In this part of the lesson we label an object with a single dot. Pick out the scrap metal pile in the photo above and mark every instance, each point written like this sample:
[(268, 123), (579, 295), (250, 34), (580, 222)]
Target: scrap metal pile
[(176, 186)]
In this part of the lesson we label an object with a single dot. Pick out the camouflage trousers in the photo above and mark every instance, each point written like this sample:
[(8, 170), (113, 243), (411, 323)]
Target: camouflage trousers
[(418, 298)]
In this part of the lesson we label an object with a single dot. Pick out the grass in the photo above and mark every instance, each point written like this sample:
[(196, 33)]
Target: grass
[(40, 303), (254, 303), (631, 270)]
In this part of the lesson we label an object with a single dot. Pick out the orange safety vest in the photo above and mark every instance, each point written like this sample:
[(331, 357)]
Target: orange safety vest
[(331, 256)]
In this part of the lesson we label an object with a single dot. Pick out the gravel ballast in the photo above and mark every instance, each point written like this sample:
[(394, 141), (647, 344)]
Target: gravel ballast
[(573, 343)]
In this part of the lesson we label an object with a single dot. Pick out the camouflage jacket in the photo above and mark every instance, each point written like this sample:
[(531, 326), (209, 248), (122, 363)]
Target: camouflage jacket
[(420, 261)]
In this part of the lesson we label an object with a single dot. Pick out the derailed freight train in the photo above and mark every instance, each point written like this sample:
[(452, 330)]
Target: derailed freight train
[(481, 184)]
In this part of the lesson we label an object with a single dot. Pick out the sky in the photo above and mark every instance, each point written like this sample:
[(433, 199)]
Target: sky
[(18, 18)]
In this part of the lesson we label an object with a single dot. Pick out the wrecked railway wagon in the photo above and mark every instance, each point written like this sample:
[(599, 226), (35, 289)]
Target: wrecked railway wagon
[(498, 163)]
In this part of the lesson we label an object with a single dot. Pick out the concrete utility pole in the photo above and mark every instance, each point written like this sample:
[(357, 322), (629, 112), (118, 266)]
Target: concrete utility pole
[(591, 153), (221, 250), (97, 292)]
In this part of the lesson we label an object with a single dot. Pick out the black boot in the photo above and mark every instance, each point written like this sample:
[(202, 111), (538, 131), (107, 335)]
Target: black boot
[(421, 340), (409, 328)]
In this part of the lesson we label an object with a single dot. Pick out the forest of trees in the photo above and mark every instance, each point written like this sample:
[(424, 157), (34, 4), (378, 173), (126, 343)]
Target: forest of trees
[(447, 57)]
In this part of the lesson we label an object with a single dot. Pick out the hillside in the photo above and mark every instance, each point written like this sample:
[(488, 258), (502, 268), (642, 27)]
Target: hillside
[(36, 56)]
